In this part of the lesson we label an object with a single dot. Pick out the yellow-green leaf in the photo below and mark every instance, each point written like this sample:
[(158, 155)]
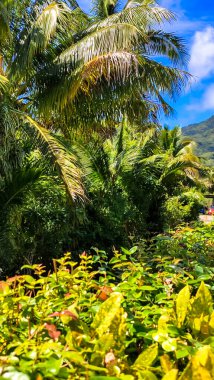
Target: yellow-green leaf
[(166, 363), (211, 323), (204, 299), (106, 314), (147, 375), (170, 345), (201, 308), (182, 303), (171, 375), (205, 357), (162, 323), (147, 357), (195, 370)]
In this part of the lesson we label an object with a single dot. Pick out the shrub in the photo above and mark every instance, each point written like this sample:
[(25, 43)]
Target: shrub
[(139, 316), (182, 208)]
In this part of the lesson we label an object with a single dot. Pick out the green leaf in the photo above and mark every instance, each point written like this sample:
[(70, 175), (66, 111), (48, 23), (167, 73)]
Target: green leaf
[(181, 353), (15, 375), (147, 357), (106, 314), (182, 303), (30, 279), (75, 357), (170, 345), (145, 287), (52, 366)]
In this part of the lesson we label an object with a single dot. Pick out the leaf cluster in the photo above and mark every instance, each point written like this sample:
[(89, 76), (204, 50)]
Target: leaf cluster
[(138, 316)]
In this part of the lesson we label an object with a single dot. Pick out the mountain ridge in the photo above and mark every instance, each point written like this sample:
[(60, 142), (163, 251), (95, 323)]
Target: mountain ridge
[(203, 134)]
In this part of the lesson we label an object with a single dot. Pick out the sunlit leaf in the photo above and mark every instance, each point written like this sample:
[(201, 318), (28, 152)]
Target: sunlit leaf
[(147, 357), (106, 314), (182, 304), (171, 375)]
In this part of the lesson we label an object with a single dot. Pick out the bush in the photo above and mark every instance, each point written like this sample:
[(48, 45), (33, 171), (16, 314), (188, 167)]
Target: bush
[(182, 208), (143, 315)]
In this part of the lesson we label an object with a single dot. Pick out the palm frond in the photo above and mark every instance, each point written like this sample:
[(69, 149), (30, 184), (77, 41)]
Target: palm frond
[(94, 162), (120, 73), (165, 44), (101, 106), (65, 161), (51, 18), (4, 82), (113, 68), (5, 33), (142, 17), (153, 159), (15, 187), (172, 140), (147, 140), (106, 40), (121, 137), (103, 8), (137, 3), (185, 164), (156, 77)]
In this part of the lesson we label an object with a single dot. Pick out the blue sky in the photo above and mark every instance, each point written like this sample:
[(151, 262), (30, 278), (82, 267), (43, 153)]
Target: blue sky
[(196, 24)]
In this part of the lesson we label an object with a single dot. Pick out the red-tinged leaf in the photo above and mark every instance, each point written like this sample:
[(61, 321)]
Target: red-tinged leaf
[(49, 327), (4, 287), (14, 278), (52, 331), (39, 377), (54, 334), (55, 314), (104, 292), (67, 313)]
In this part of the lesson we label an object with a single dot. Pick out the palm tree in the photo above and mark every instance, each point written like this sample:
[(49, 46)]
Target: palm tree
[(130, 176), (107, 71), (175, 157), (61, 68), (19, 21)]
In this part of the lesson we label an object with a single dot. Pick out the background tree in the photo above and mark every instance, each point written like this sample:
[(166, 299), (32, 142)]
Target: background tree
[(67, 79)]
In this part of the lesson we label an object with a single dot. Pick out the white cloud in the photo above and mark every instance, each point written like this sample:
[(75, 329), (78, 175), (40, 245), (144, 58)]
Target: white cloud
[(183, 25), (201, 63), (206, 103), (208, 98)]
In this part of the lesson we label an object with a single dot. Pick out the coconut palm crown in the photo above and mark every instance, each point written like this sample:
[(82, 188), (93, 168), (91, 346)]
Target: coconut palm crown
[(61, 68)]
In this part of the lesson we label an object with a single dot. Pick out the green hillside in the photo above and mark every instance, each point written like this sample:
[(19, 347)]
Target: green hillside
[(203, 134)]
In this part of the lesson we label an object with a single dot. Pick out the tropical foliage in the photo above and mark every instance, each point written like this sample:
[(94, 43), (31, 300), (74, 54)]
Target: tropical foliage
[(61, 69), (143, 315), (137, 184), (85, 164)]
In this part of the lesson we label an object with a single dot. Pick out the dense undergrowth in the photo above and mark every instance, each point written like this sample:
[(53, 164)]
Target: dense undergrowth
[(147, 313)]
